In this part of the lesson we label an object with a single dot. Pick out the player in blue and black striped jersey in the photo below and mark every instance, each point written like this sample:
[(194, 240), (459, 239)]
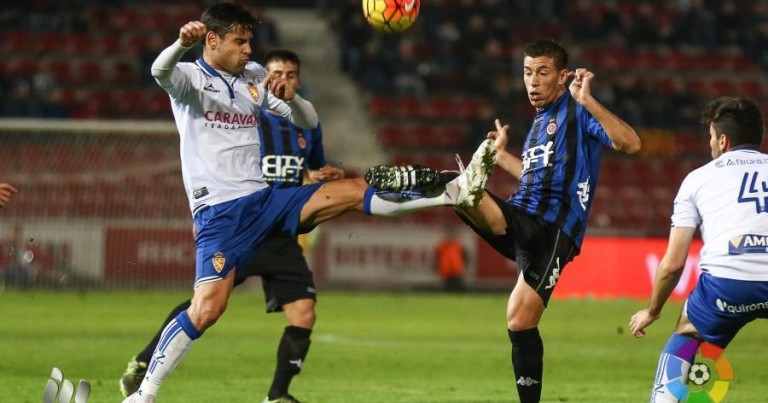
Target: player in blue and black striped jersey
[(541, 225), (288, 154)]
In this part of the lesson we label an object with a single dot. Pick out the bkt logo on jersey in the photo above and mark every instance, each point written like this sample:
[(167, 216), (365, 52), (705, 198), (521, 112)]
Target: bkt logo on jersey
[(749, 243), (538, 155), (282, 167)]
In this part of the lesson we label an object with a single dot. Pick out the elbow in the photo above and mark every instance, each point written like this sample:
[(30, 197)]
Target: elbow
[(632, 146)]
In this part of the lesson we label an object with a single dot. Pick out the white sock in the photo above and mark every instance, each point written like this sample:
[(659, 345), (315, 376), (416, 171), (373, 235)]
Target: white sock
[(390, 207), (175, 341), (663, 385)]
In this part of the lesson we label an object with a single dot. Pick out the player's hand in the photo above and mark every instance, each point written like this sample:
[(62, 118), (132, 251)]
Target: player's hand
[(280, 87), (326, 173), (499, 136), (6, 191), (191, 33), (580, 87), (642, 319)]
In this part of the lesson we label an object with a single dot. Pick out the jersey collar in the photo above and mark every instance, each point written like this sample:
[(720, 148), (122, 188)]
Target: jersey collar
[(744, 148), (215, 73)]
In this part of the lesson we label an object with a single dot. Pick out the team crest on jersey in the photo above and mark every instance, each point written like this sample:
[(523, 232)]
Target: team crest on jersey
[(218, 261), (302, 141), (253, 90), (551, 127)]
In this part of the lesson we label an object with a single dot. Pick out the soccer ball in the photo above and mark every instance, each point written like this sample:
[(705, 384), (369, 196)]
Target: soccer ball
[(390, 16), (699, 374)]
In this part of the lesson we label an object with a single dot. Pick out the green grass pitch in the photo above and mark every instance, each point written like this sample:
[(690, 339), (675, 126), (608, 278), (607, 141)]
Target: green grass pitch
[(367, 347)]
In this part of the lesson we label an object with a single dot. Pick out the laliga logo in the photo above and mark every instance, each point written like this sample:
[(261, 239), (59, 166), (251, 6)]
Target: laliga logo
[(64, 389), (707, 379)]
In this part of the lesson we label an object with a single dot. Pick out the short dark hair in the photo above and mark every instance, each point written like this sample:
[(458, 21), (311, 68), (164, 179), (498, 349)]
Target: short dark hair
[(222, 18), (282, 55), (548, 47), (740, 118)]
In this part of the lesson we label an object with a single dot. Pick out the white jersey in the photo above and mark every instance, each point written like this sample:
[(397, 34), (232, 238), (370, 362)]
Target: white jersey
[(217, 118), (728, 199)]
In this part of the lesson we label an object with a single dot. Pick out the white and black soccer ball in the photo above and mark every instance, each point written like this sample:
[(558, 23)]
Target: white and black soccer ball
[(699, 374)]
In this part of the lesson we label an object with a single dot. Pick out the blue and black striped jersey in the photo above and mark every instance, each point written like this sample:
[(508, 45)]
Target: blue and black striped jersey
[(286, 150), (561, 160)]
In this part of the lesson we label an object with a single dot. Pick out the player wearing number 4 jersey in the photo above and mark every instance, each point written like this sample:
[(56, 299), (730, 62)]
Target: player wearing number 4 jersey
[(727, 200), (216, 102)]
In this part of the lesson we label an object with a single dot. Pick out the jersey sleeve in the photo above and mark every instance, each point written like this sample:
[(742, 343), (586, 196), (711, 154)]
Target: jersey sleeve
[(172, 76), (316, 157), (594, 129), (685, 213)]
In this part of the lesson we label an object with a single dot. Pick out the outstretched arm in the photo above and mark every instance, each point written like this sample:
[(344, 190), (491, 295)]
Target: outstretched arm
[(506, 161), (164, 66), (622, 135), (667, 275)]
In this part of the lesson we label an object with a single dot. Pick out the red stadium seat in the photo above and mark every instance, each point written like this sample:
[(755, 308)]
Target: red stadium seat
[(89, 71), (15, 42), (722, 86), (21, 67), (379, 106), (76, 44), (126, 19), (752, 87), (392, 136)]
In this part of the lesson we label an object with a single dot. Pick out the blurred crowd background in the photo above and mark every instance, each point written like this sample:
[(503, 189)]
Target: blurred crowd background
[(428, 93)]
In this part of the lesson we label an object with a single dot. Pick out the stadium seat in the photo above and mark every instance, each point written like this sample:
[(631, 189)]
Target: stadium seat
[(752, 87), (379, 106), (89, 71), (391, 136), (15, 42), (76, 44)]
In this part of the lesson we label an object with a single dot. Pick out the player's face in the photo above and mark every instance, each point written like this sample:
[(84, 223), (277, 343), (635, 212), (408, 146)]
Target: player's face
[(231, 52), (543, 82), (287, 70)]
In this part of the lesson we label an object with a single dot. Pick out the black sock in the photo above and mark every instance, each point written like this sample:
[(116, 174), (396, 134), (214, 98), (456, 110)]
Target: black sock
[(146, 354), (290, 358), (528, 362)]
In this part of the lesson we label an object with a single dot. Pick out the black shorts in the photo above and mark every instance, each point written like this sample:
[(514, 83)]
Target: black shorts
[(283, 269), (540, 248)]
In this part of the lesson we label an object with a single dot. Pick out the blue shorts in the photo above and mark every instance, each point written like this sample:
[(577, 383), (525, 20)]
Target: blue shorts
[(228, 233), (720, 307)]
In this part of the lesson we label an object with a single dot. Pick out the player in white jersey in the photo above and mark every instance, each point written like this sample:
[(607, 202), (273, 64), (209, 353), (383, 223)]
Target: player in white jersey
[(216, 102), (727, 199)]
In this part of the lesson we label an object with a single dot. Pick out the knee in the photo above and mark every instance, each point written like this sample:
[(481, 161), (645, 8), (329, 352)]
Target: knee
[(522, 319), (301, 313), (516, 323), (304, 318), (205, 314)]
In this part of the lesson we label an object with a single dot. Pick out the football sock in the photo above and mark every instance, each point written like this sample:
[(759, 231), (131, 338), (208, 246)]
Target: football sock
[(146, 354), (672, 370), (390, 205), (176, 340), (528, 363), (291, 352)]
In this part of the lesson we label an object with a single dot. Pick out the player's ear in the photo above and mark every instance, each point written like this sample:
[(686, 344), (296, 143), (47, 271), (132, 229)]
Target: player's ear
[(211, 40), (563, 76), (723, 142)]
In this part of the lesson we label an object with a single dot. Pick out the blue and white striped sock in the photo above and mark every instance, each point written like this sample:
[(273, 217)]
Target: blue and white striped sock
[(177, 338), (672, 370)]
